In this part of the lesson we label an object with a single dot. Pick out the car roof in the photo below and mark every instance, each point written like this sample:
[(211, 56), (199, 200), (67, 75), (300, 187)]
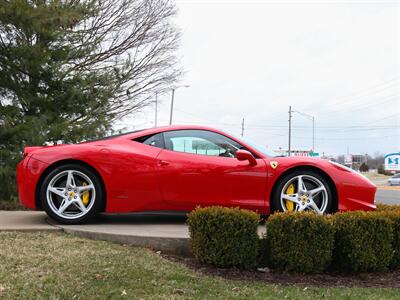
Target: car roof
[(159, 129), (155, 130)]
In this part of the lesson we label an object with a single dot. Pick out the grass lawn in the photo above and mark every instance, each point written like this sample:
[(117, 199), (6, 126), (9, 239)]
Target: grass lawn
[(59, 266)]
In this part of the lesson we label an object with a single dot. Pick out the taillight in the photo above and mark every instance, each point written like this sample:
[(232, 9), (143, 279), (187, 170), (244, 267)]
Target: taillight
[(28, 150)]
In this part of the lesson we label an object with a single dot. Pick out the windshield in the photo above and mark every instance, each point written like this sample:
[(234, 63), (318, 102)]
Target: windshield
[(258, 146)]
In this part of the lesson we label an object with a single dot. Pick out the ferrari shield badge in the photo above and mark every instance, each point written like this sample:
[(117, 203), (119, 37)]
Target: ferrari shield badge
[(273, 164)]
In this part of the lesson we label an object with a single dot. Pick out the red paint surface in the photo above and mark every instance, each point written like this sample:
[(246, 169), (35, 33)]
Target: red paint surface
[(139, 177)]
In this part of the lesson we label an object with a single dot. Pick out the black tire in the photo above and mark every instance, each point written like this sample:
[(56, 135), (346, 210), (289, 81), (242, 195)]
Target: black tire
[(276, 204), (98, 199)]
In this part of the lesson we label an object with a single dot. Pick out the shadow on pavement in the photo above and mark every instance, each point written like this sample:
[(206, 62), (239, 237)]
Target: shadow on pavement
[(153, 218)]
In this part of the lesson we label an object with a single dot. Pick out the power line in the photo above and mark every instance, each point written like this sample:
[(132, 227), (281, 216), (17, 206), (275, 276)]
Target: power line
[(362, 93), (352, 138), (277, 127), (273, 125), (372, 103), (265, 127)]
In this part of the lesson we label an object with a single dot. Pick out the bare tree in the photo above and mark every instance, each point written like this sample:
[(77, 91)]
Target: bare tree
[(137, 41), (69, 68)]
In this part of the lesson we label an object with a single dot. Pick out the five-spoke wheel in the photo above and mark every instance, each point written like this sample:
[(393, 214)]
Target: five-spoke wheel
[(303, 190), (71, 194)]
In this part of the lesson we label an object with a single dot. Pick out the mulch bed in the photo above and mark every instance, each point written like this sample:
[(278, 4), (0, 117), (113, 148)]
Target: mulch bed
[(11, 205), (377, 280)]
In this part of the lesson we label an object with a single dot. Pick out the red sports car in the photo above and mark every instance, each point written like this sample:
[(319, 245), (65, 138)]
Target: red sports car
[(177, 168)]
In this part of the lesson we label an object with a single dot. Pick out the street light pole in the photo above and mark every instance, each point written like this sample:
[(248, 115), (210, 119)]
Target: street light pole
[(155, 113), (172, 106), (290, 130), (313, 134), (242, 127), (172, 101)]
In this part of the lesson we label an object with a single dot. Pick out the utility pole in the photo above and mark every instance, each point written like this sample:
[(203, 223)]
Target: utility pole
[(156, 108), (172, 106), (172, 101), (290, 130), (313, 134), (310, 117), (242, 127)]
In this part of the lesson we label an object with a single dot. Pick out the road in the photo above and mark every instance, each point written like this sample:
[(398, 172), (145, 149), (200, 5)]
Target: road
[(385, 194), (388, 196)]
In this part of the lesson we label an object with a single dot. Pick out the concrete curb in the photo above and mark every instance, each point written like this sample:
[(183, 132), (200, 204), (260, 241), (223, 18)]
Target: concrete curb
[(165, 237), (389, 187), (24, 221), (177, 246), (169, 245)]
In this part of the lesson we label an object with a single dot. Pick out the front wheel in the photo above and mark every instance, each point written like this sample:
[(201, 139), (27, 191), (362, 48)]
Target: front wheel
[(71, 194), (303, 190)]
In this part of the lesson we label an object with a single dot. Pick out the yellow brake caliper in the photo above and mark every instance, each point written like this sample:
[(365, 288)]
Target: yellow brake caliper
[(290, 191), (85, 196)]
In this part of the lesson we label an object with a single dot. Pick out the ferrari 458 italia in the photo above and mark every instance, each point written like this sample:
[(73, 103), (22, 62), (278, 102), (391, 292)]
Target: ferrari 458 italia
[(178, 168)]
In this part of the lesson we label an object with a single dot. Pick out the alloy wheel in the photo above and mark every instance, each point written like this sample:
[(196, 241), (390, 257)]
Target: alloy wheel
[(71, 194), (304, 193)]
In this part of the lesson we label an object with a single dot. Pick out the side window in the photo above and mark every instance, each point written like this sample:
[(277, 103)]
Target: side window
[(155, 140), (200, 142)]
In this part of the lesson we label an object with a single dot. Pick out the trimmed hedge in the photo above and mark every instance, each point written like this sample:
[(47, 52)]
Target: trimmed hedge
[(394, 216), (363, 241), (300, 242), (387, 207), (224, 237)]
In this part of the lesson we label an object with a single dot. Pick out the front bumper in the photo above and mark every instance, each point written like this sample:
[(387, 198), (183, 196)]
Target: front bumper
[(357, 196)]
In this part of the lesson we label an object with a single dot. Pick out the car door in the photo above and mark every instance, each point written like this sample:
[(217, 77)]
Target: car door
[(199, 167), (131, 170)]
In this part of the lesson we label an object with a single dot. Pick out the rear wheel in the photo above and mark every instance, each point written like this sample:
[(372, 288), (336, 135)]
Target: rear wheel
[(71, 194), (303, 190)]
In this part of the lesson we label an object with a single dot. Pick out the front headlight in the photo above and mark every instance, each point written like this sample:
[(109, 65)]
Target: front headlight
[(342, 166), (345, 168)]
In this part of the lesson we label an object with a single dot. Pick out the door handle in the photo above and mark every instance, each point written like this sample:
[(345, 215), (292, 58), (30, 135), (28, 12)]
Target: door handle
[(163, 163)]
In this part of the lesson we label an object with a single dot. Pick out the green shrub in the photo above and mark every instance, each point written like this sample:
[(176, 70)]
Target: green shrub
[(224, 237), (394, 216), (300, 242), (387, 207), (363, 241)]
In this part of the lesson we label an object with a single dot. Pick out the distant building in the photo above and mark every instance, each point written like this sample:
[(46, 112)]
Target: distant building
[(309, 153), (354, 161)]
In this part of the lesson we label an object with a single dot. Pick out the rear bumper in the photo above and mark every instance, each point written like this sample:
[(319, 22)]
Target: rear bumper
[(28, 174)]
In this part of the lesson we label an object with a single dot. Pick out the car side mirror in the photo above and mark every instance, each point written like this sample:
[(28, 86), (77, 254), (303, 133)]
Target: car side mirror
[(243, 155)]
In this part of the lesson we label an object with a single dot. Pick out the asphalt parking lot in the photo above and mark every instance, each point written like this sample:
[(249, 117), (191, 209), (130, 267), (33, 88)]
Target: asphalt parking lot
[(385, 194), (388, 196)]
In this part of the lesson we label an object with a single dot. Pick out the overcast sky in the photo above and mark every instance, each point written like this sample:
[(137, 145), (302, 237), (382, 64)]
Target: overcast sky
[(336, 60)]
